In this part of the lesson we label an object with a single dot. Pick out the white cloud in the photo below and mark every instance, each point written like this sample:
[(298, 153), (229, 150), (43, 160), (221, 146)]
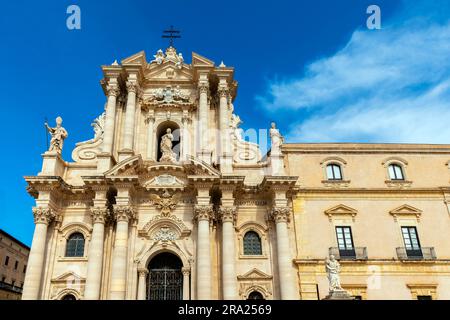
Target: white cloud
[(391, 85)]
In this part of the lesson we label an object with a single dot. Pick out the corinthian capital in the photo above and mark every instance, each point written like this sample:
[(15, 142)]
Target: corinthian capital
[(123, 213), (223, 92), (203, 87), (227, 214), (43, 215), (112, 90), (204, 212), (132, 86), (280, 214), (99, 214)]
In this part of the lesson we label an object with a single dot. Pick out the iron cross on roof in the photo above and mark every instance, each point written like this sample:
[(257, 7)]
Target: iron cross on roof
[(171, 34)]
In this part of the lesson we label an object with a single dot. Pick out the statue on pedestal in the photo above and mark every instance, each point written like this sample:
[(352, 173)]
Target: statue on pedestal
[(58, 134), (333, 269), (166, 147), (276, 138)]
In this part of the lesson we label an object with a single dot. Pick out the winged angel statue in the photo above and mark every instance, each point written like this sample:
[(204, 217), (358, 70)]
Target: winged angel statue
[(166, 203)]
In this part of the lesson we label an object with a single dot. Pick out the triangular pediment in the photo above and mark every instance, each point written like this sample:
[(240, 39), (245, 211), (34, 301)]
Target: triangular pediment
[(255, 274), (200, 61), (341, 210), (127, 167), (168, 71), (69, 277), (138, 58), (406, 210)]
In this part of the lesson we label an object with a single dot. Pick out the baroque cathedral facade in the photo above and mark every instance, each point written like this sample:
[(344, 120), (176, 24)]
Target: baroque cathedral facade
[(168, 202)]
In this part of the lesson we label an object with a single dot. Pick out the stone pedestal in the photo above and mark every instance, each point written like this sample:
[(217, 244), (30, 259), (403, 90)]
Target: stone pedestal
[(52, 164), (125, 154), (339, 295)]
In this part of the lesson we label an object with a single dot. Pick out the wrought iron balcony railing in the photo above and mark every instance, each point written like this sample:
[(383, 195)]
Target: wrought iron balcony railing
[(359, 253), (7, 286), (416, 254)]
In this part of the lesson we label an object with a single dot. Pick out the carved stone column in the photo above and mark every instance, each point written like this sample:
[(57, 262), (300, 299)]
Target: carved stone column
[(224, 126), (95, 256), (142, 284), (33, 276), (280, 215), (128, 133), (203, 153), (185, 137), (228, 218), (123, 214), (186, 276), (113, 91), (150, 134), (203, 215)]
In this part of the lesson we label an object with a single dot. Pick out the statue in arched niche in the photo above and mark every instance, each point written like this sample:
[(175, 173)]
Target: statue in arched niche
[(166, 147)]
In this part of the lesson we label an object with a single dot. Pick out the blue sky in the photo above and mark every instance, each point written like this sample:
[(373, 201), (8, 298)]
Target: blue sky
[(312, 66)]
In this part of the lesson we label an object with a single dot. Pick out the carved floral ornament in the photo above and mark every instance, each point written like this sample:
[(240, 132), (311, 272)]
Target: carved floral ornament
[(280, 214), (166, 203), (165, 233), (203, 212), (43, 215), (227, 214), (100, 214), (124, 213)]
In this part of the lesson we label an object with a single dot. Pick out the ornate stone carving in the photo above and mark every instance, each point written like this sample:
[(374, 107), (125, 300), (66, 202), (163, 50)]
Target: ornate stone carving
[(165, 234), (112, 90), (123, 212), (142, 272), (227, 214), (203, 212), (245, 152), (203, 87), (166, 203), (59, 134), (280, 214), (169, 95), (88, 150), (132, 86), (223, 92), (99, 214), (43, 215), (186, 271)]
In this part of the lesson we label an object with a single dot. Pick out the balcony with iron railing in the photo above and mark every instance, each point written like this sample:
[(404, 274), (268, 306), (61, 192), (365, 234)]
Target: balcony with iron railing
[(416, 254), (358, 253), (9, 287)]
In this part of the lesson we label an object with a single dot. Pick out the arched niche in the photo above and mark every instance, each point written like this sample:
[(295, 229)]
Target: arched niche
[(161, 130)]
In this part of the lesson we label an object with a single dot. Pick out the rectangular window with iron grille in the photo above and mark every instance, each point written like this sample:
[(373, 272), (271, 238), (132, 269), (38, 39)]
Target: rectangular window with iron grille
[(345, 242)]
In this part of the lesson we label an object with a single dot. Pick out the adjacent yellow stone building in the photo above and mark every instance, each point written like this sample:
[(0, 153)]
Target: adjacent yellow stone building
[(168, 201)]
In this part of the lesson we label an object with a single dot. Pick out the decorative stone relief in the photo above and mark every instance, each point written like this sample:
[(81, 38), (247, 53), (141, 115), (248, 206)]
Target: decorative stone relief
[(203, 212), (280, 214), (88, 150), (244, 151), (43, 215), (166, 203), (165, 233)]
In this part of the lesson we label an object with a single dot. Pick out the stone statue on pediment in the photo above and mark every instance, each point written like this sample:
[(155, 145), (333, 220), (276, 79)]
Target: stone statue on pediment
[(58, 134), (276, 138), (159, 57)]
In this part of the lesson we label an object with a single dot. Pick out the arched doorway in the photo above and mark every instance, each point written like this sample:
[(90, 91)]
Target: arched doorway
[(165, 279), (69, 297), (162, 130), (255, 295)]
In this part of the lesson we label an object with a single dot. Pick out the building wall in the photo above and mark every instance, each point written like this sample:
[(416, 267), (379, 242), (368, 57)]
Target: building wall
[(375, 226), (12, 278)]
